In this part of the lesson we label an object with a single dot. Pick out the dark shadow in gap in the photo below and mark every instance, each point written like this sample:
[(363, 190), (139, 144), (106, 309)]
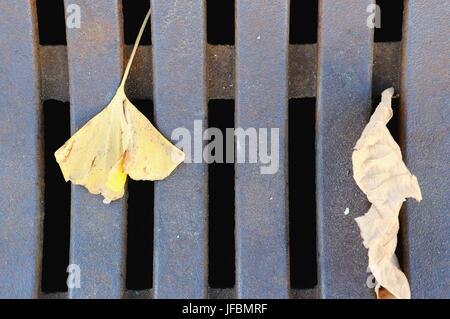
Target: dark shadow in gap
[(221, 204), (302, 193), (394, 124), (52, 22), (56, 241), (391, 21), (303, 21), (139, 274), (134, 12), (220, 21)]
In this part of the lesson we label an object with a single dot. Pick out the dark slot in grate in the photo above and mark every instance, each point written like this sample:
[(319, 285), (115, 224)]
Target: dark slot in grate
[(391, 21), (221, 203), (220, 21), (51, 21), (303, 21), (394, 124), (139, 275), (56, 240), (394, 127), (134, 12), (140, 235), (302, 193)]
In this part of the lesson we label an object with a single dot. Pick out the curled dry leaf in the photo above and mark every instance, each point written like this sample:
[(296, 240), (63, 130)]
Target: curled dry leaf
[(117, 142), (381, 174)]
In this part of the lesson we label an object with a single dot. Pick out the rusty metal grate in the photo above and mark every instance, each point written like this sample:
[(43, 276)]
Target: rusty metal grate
[(269, 68)]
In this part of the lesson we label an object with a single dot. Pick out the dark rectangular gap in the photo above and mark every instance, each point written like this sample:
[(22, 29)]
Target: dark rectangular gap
[(221, 202), (394, 124), (400, 241), (139, 274), (51, 22), (134, 12), (302, 193), (220, 21), (394, 127), (303, 21), (56, 241), (391, 15)]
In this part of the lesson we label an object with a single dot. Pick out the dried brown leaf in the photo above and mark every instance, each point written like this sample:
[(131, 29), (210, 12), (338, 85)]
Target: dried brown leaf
[(381, 174)]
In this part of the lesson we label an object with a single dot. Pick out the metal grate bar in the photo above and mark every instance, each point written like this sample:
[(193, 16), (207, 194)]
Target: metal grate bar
[(425, 108), (179, 45), (344, 106), (21, 161), (95, 68), (261, 102)]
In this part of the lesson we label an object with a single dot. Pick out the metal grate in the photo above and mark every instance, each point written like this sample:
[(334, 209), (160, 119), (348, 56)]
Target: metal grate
[(267, 73)]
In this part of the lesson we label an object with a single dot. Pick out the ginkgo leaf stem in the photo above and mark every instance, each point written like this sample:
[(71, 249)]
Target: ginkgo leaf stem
[(133, 53)]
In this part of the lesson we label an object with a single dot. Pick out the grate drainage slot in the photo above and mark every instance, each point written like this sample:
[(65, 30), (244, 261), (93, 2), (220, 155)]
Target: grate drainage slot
[(391, 21), (221, 202), (139, 268), (302, 193), (134, 12), (303, 21), (56, 239), (51, 22), (220, 21)]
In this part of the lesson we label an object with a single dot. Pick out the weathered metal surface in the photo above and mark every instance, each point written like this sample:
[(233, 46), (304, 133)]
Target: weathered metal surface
[(97, 230), (387, 62), (140, 81), (179, 48), (425, 109), (221, 71), (139, 294), (21, 152), (54, 73), (304, 293), (302, 70), (344, 106), (223, 293), (261, 102)]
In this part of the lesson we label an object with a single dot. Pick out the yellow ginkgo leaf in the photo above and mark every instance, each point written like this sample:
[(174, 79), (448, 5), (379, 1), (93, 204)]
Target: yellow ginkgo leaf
[(117, 142), (381, 174)]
